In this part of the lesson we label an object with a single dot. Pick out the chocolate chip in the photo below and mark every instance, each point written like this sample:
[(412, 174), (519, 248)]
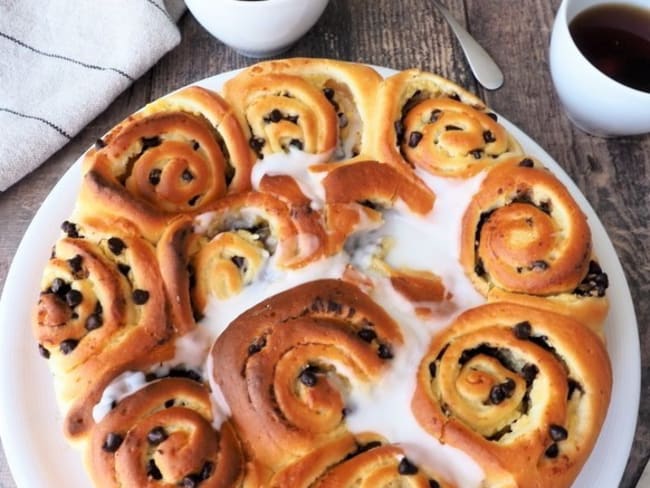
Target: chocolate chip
[(149, 377), (59, 287), (508, 386), (492, 115), (140, 297), (152, 470), (545, 206), (293, 118), (275, 116), (43, 352), (256, 143), (328, 92), (434, 484), (385, 352), (522, 330), (406, 467), (154, 176), (73, 298), (552, 451), (343, 120), (206, 470), (69, 345), (399, 131), (415, 138), (308, 377), (479, 269), (70, 229), (124, 269), (196, 145), (238, 261), (93, 321), (435, 115), (476, 153), (452, 127), (75, 263), (539, 264), (116, 245), (497, 395), (529, 372), (149, 142), (334, 307), (157, 435), (488, 136), (169, 403), (527, 163), (433, 369), (192, 201), (99, 143), (557, 432), (297, 143), (573, 386), (191, 481), (257, 345), (112, 442), (367, 335), (190, 374), (187, 175)]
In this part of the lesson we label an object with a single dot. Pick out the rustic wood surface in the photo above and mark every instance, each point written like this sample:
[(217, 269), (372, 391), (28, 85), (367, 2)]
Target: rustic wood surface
[(614, 174)]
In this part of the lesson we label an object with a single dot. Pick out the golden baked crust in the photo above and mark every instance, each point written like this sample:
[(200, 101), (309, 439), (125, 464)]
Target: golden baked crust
[(177, 155), (226, 290), (524, 391), (524, 237), (429, 122), (269, 360)]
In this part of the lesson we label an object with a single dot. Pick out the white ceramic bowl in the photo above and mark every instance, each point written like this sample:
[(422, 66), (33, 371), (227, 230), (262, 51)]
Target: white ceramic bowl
[(593, 101), (257, 28)]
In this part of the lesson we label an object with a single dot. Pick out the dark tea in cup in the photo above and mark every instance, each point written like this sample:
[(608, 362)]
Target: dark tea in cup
[(616, 39)]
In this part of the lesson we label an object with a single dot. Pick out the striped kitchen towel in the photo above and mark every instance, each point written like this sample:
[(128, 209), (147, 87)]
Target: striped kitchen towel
[(62, 62)]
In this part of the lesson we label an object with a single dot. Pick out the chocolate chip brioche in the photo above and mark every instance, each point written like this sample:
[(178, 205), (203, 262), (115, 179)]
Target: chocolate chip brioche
[(321, 278)]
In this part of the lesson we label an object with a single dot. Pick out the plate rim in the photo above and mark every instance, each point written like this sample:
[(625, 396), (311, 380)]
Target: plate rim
[(17, 447)]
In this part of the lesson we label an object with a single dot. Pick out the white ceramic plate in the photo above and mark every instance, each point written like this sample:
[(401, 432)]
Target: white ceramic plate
[(31, 425)]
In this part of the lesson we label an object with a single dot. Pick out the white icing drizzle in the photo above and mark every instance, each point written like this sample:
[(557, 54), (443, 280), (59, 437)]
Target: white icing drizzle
[(296, 164), (430, 242), (122, 386)]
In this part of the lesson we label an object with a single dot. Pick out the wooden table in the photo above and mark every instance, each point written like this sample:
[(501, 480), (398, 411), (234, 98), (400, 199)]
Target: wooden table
[(614, 174)]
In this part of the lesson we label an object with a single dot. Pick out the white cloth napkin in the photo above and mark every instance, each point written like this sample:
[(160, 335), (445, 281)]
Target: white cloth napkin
[(62, 62)]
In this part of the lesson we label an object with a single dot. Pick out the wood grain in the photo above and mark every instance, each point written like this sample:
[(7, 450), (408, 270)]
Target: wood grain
[(614, 174)]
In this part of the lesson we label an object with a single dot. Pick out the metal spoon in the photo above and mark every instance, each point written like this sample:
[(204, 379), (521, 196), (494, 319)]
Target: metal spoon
[(485, 70)]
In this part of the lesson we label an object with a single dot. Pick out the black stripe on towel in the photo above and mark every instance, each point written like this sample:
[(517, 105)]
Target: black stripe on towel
[(40, 119), (65, 58), (161, 9)]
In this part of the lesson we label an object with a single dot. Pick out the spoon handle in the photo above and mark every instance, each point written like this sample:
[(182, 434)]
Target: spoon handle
[(480, 62)]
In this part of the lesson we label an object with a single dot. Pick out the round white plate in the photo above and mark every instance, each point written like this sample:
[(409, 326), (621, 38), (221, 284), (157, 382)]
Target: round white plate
[(31, 426)]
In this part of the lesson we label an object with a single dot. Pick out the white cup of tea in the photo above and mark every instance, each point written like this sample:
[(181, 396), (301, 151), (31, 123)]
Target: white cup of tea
[(594, 101), (257, 28)]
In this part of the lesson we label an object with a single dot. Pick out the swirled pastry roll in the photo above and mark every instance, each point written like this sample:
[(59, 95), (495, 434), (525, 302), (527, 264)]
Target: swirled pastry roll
[(429, 122), (314, 105), (523, 391), (102, 310), (226, 249), (365, 462), (525, 239), (178, 155), (284, 366), (163, 435)]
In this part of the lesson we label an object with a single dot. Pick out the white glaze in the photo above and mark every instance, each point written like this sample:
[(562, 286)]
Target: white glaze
[(122, 386), (430, 242)]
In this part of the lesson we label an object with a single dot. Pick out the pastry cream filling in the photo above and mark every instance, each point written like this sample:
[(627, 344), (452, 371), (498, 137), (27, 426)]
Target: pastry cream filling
[(428, 243)]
